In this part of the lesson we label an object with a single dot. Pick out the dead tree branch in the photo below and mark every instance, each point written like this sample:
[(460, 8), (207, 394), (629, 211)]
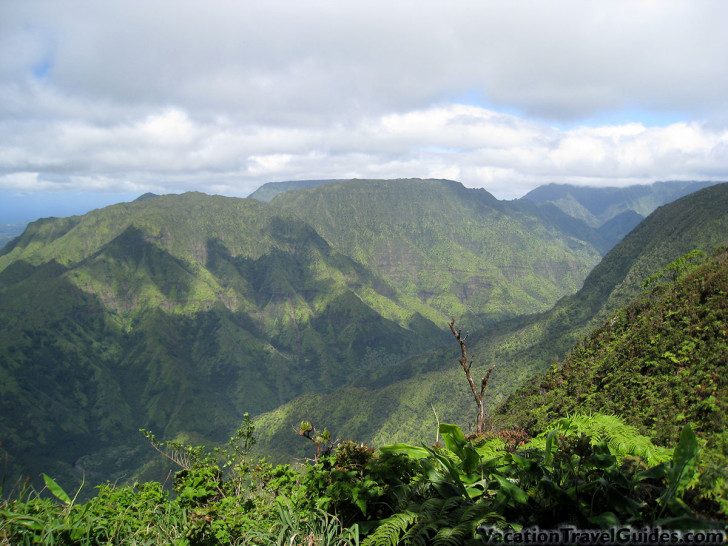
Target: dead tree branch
[(467, 364)]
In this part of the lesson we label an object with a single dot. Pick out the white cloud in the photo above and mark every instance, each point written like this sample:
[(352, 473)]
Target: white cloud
[(226, 95)]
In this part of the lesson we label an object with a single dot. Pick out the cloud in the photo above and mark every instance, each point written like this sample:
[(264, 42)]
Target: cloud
[(225, 95)]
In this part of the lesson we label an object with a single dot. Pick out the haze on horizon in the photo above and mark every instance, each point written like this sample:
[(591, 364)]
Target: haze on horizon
[(101, 102)]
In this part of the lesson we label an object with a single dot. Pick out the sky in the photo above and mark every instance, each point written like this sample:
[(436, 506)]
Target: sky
[(103, 101)]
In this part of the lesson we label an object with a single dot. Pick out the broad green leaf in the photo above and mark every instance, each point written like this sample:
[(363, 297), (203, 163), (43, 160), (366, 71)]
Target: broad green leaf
[(56, 489), (656, 472), (453, 436), (413, 451), (682, 469), (511, 490), (455, 442)]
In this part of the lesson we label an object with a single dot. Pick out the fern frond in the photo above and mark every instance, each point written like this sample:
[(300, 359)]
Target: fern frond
[(623, 440), (391, 530), (452, 536), (481, 513)]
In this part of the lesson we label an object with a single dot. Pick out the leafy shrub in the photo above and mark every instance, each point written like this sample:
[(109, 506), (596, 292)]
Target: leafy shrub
[(563, 477), (356, 483)]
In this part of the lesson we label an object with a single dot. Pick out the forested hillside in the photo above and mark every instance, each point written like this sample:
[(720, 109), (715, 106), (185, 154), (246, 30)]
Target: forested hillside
[(660, 363), (178, 313), (519, 348), (446, 249)]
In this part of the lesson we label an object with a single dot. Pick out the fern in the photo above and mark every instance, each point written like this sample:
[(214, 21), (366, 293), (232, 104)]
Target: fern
[(451, 536), (450, 521), (389, 533), (623, 440)]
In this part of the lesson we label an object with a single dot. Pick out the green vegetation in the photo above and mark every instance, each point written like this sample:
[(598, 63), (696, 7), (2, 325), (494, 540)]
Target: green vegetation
[(177, 312), (399, 494), (659, 362)]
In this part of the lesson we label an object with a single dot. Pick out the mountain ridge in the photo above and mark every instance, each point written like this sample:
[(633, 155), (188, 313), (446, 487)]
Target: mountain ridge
[(520, 347), (597, 205), (179, 313)]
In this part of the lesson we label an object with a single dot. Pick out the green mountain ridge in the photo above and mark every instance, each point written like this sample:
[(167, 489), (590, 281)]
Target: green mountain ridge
[(178, 313), (520, 348), (141, 314), (596, 206), (447, 249)]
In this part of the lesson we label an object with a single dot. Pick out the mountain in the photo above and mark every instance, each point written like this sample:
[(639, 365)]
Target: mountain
[(598, 205), (660, 363), (431, 386), (178, 313), (270, 189), (446, 249)]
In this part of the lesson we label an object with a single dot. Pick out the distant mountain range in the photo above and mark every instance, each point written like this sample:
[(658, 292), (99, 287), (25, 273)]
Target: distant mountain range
[(178, 313), (597, 206)]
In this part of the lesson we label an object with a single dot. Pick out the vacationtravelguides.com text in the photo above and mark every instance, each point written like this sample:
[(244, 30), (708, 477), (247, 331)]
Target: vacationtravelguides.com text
[(615, 535)]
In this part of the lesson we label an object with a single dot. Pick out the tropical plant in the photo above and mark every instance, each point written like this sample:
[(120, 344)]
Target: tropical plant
[(562, 477)]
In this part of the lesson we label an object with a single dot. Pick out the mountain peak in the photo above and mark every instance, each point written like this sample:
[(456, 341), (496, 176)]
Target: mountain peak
[(147, 195)]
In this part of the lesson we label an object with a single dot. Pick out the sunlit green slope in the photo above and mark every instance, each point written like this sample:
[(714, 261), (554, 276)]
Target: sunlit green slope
[(661, 362), (402, 397), (179, 313), (446, 249)]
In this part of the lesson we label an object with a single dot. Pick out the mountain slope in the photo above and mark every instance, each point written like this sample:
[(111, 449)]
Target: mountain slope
[(178, 313), (447, 249), (520, 348), (660, 362), (596, 206)]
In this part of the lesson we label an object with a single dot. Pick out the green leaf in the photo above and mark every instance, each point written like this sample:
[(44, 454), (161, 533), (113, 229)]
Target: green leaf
[(56, 489), (656, 472), (605, 520), (453, 436), (682, 469), (511, 490), (455, 442), (412, 451)]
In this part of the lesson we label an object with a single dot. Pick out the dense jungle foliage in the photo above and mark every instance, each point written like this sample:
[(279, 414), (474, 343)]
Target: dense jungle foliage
[(661, 362), (592, 472)]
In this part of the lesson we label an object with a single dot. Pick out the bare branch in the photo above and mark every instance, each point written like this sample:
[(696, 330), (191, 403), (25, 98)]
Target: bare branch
[(467, 365)]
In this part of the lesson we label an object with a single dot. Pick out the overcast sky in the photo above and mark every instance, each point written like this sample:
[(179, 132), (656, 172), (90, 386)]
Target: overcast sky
[(118, 98)]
